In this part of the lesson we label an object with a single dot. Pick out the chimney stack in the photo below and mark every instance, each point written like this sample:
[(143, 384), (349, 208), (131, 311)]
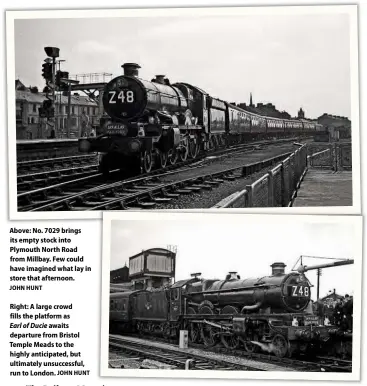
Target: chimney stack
[(232, 275), (131, 69), (195, 275), (160, 79), (278, 269)]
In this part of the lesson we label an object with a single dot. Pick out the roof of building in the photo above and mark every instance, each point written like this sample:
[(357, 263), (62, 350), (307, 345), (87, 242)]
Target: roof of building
[(40, 97), (153, 250), (19, 85), (332, 295)]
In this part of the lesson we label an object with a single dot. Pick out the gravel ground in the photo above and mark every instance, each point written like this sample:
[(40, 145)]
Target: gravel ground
[(208, 198), (116, 361)]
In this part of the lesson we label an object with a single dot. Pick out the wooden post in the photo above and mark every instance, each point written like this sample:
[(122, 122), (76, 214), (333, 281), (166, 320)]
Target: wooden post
[(249, 196), (270, 189)]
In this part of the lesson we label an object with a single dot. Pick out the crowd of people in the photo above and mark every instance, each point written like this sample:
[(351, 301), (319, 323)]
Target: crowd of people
[(337, 313)]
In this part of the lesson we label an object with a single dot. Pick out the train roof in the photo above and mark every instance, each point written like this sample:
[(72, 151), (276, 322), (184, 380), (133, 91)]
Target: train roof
[(181, 283), (195, 88)]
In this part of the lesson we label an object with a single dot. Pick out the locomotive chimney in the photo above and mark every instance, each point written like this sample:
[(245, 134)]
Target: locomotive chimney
[(195, 275), (160, 79), (131, 69), (232, 275), (278, 268)]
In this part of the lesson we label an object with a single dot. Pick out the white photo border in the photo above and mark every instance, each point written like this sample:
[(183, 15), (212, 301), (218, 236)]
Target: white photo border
[(350, 9), (108, 217)]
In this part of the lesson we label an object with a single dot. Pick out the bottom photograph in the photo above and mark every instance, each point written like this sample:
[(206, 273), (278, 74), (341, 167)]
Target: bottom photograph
[(231, 296)]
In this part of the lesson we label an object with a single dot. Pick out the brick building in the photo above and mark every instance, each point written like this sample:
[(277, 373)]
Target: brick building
[(84, 112), (338, 126)]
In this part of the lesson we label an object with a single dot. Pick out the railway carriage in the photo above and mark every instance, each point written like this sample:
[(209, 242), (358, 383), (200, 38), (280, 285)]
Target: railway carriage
[(217, 116), (122, 310)]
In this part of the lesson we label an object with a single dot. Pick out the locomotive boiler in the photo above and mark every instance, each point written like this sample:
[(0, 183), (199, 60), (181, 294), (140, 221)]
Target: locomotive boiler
[(277, 293)]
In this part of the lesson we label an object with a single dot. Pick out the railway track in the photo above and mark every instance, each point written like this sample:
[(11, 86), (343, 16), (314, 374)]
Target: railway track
[(33, 181), (178, 359), (147, 192), (90, 191), (61, 196), (316, 364), (49, 164)]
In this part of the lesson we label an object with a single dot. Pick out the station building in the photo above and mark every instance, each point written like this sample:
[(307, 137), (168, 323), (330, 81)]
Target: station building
[(84, 114)]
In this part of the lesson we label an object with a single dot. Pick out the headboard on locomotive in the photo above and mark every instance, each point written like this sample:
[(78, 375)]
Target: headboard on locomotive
[(152, 268)]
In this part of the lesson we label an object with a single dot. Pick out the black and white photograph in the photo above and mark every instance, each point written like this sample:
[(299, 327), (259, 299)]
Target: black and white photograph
[(250, 296), (183, 108)]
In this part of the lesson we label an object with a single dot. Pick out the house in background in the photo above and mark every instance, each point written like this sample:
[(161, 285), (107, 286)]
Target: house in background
[(30, 126)]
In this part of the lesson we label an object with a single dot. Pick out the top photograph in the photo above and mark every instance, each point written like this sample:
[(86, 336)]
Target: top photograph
[(232, 109)]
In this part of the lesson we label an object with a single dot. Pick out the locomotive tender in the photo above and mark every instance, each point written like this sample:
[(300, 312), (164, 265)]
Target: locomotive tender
[(271, 313), (156, 123)]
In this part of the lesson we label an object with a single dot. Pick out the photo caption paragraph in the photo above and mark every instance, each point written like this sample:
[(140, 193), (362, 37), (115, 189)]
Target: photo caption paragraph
[(42, 340)]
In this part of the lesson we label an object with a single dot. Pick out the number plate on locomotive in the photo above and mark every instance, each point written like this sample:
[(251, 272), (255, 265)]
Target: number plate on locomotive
[(116, 128), (299, 291)]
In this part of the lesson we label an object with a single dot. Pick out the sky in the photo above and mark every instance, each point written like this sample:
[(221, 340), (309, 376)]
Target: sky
[(217, 244), (290, 60)]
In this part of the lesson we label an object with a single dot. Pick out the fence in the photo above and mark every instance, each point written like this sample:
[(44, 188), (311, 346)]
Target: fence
[(275, 188), (335, 156), (279, 186)]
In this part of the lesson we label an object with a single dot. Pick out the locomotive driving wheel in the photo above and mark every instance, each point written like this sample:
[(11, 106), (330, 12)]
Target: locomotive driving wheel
[(172, 156), (207, 331), (163, 158), (193, 147), (248, 342), (280, 346), (229, 340), (147, 161), (184, 149), (194, 331)]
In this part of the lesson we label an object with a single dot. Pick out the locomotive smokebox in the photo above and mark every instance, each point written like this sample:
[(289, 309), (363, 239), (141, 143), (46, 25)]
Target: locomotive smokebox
[(131, 69), (278, 269), (159, 79)]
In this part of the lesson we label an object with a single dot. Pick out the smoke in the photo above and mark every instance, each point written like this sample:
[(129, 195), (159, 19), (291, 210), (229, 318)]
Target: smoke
[(267, 347)]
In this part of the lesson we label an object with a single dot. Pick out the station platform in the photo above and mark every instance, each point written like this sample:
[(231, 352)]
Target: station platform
[(325, 188), (28, 150)]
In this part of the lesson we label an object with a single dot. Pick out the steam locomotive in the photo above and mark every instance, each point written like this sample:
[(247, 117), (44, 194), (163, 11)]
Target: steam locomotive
[(271, 313), (155, 123)]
